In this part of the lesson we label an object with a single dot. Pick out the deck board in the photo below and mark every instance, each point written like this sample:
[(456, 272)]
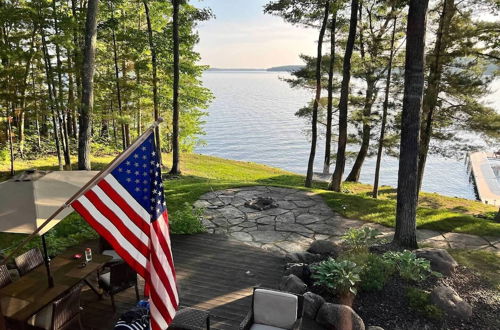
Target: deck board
[(211, 275)]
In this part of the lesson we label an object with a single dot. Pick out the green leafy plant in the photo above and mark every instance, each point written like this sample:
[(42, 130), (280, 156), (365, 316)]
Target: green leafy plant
[(187, 220), (420, 301), (361, 238), (409, 266), (337, 276), (376, 273)]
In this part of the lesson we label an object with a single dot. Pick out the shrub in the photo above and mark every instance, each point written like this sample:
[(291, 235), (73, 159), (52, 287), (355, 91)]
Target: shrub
[(186, 220), (376, 273), (337, 276), (361, 238), (420, 301), (409, 266)]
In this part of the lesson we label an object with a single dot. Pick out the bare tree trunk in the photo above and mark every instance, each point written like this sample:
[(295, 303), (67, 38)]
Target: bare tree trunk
[(152, 49), (175, 170), (344, 99), (87, 86), (406, 210), (11, 144), (77, 66), (329, 110), (385, 107), (433, 84)]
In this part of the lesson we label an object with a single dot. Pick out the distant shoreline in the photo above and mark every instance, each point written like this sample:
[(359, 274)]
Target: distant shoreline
[(284, 68)]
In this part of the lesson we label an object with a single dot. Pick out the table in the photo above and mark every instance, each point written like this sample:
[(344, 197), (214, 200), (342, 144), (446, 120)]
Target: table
[(28, 295), (190, 319)]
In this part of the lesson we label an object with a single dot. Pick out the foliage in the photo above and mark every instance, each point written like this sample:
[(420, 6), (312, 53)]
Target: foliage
[(361, 238), (409, 266), (376, 272), (420, 301), (337, 276), (186, 220)]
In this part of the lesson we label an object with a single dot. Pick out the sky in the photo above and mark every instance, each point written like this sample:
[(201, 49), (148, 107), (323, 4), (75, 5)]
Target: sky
[(242, 36)]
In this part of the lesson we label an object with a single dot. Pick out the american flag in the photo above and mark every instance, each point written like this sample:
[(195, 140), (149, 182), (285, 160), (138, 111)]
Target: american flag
[(127, 207)]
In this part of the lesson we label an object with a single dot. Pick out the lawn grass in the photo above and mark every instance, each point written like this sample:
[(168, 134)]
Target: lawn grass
[(485, 263), (201, 174)]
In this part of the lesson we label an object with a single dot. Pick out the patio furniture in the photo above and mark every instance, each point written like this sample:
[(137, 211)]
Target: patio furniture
[(5, 278), (64, 313), (30, 294), (107, 250), (119, 278), (274, 310), (28, 261), (190, 319)]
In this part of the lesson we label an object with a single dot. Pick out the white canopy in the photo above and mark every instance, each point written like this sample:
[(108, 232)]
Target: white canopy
[(27, 200)]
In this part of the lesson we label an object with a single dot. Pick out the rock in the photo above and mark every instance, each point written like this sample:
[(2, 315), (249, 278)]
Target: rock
[(293, 284), (312, 304), (334, 316), (450, 302), (302, 271), (308, 324), (302, 257), (374, 327), (441, 260), (324, 247)]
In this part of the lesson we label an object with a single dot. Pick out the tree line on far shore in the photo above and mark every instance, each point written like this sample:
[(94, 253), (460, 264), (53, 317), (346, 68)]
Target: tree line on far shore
[(419, 87)]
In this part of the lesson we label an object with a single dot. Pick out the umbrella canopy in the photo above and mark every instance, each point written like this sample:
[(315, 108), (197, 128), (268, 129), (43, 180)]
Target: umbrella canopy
[(27, 200)]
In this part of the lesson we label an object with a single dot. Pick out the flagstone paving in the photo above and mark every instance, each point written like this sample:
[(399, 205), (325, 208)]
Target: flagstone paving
[(300, 218)]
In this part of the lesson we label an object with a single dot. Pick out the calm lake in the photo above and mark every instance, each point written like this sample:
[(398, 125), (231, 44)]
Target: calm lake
[(252, 119)]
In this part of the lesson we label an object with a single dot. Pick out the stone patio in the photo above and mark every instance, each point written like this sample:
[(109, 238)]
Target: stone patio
[(300, 218)]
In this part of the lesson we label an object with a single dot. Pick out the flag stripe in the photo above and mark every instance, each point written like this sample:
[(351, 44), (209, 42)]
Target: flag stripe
[(120, 222), (112, 188), (163, 244), (101, 230), (166, 277)]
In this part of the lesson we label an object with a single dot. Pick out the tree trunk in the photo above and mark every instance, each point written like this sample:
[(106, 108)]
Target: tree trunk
[(344, 99), (117, 85), (433, 84), (152, 49), (77, 67), (175, 170), (87, 86), (11, 145), (497, 217), (406, 210), (370, 96), (384, 113), (329, 110)]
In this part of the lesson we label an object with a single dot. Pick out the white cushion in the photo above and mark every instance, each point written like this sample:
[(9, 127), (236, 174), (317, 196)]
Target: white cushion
[(263, 327), (274, 308), (42, 319), (112, 253)]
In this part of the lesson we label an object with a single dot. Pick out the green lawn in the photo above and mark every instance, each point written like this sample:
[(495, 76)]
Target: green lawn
[(201, 174)]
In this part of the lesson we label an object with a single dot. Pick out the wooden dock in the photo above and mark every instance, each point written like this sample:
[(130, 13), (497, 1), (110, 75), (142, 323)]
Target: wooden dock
[(212, 274), (487, 186)]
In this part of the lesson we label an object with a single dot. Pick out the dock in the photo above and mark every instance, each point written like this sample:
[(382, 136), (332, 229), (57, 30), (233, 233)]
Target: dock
[(485, 179)]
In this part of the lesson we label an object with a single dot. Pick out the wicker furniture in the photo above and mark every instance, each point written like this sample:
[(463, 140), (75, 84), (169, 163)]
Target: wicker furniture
[(64, 313), (272, 309), (28, 261), (119, 278), (5, 278), (190, 319)]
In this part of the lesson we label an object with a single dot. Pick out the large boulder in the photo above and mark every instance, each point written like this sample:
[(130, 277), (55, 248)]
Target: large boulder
[(312, 304), (334, 316), (441, 260), (450, 302), (302, 257), (302, 271), (324, 247), (293, 284)]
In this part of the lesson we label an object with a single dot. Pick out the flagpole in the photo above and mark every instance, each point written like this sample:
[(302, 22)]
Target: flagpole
[(110, 167)]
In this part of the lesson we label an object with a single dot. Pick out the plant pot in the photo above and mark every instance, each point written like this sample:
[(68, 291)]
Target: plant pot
[(347, 299)]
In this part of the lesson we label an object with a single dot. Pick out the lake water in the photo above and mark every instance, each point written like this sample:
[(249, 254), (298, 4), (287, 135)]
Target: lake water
[(252, 119)]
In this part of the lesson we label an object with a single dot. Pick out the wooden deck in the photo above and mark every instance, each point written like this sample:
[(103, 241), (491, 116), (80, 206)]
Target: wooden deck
[(211, 275)]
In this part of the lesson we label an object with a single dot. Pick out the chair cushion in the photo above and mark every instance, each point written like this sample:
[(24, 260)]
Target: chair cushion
[(274, 308), (113, 254), (42, 319), (105, 281), (257, 326)]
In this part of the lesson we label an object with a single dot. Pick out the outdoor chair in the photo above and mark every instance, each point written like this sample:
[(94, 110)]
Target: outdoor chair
[(28, 261), (119, 278), (5, 278), (107, 250), (63, 313), (274, 310)]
